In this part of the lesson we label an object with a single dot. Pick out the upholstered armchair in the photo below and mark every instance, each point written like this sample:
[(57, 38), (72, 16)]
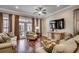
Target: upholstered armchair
[(31, 36)]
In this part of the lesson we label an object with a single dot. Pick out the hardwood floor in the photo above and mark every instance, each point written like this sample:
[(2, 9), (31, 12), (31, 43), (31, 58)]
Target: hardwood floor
[(25, 46)]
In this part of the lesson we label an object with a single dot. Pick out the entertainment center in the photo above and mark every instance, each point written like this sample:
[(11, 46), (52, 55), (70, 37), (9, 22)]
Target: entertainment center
[(55, 25)]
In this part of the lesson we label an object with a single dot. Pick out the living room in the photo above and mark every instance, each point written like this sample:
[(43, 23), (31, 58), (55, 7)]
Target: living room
[(39, 29)]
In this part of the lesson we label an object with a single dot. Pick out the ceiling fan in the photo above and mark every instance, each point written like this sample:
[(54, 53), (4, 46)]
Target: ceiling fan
[(40, 10)]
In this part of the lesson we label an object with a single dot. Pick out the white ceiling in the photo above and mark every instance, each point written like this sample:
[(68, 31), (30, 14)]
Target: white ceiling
[(29, 9)]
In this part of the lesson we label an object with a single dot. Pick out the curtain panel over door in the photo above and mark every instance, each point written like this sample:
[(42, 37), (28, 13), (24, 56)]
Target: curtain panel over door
[(41, 27), (33, 24), (17, 26), (10, 22)]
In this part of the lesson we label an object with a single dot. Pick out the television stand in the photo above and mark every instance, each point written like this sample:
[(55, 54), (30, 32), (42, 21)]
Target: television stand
[(56, 35)]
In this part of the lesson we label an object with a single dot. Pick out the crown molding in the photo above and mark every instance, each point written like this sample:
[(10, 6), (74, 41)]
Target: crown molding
[(14, 12), (25, 14), (59, 11)]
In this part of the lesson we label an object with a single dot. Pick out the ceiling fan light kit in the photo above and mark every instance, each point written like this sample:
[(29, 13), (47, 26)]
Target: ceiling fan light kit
[(40, 10)]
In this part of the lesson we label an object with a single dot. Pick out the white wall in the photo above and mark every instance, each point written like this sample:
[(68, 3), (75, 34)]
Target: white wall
[(67, 14)]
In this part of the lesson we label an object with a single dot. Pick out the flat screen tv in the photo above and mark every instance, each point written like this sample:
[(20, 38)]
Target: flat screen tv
[(57, 24)]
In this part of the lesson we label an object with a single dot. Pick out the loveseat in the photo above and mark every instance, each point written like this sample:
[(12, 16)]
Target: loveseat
[(7, 43)]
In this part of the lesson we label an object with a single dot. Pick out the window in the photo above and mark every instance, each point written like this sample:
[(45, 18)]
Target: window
[(25, 25), (29, 24), (21, 27), (5, 22), (29, 27)]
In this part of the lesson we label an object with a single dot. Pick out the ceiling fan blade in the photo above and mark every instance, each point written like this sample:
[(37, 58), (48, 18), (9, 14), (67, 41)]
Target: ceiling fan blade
[(44, 12), (41, 8), (35, 12), (37, 9)]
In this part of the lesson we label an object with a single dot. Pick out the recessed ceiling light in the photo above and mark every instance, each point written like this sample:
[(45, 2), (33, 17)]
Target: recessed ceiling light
[(16, 7)]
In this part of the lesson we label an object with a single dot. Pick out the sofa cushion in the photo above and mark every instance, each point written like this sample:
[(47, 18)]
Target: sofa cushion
[(68, 36), (76, 38), (10, 34), (4, 45), (59, 48), (67, 47), (1, 40), (62, 41), (71, 46), (40, 50)]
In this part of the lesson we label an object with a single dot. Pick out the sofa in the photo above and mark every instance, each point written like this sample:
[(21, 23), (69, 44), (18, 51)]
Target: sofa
[(67, 46), (70, 45), (8, 43)]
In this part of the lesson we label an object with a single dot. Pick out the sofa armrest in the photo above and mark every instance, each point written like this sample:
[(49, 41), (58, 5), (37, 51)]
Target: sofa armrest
[(14, 40)]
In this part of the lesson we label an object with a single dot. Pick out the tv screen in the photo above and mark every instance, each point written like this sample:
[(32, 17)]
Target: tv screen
[(57, 24)]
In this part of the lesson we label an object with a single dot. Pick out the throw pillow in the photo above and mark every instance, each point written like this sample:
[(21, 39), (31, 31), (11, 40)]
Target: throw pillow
[(68, 36), (3, 34), (6, 38), (48, 49), (1, 40), (48, 45), (10, 34)]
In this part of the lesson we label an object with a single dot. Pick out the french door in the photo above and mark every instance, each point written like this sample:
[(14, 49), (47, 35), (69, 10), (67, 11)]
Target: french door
[(22, 29)]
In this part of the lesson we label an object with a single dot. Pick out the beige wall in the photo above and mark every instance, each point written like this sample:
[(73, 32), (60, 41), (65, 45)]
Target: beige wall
[(13, 24), (67, 14)]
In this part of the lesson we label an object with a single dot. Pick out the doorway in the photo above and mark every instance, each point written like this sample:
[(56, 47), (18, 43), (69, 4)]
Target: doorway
[(25, 25), (22, 29), (76, 21)]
